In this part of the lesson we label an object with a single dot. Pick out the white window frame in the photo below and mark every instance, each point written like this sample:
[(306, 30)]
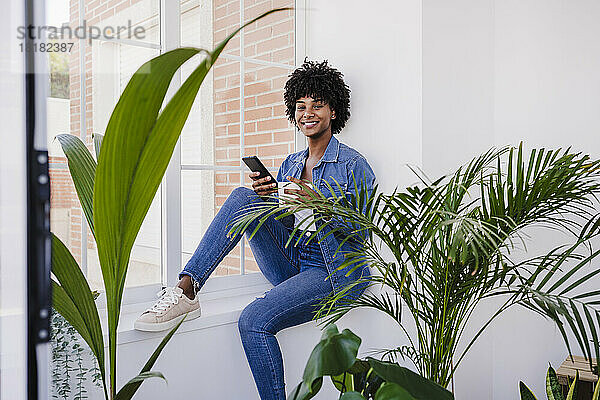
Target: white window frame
[(171, 232), (171, 194)]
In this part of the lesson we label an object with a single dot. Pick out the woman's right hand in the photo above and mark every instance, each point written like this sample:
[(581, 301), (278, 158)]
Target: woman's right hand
[(264, 186)]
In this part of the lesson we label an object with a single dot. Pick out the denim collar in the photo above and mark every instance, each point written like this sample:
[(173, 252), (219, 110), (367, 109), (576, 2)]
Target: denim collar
[(331, 153)]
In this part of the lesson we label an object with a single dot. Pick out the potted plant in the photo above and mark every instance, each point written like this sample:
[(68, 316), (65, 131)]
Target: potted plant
[(72, 362), (452, 242)]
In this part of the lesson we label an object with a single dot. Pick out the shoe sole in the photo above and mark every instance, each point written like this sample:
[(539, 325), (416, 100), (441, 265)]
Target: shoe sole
[(163, 326)]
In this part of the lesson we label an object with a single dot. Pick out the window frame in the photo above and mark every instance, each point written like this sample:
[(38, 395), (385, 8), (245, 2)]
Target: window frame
[(170, 189)]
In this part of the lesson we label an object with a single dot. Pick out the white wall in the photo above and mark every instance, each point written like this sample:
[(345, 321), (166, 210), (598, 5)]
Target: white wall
[(377, 47), (547, 81), (457, 82), (497, 73), (210, 363), (434, 82)]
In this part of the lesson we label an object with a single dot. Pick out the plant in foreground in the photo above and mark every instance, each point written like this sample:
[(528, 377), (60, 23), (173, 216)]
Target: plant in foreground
[(70, 359), (452, 242), (335, 356), (554, 390), (116, 192)]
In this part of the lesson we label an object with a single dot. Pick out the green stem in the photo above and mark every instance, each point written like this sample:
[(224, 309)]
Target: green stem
[(112, 338)]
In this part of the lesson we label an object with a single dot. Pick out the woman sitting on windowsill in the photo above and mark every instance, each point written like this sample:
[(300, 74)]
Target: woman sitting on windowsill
[(317, 101)]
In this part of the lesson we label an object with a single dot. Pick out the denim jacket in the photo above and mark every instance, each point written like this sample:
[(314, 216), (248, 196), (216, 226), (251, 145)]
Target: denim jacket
[(341, 164)]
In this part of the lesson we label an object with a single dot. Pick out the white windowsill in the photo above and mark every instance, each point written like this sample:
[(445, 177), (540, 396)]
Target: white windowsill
[(217, 310), (215, 287)]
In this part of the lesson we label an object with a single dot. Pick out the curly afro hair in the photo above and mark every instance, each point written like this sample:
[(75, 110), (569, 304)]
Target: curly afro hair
[(322, 82)]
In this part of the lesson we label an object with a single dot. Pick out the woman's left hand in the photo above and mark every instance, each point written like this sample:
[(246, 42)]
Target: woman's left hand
[(306, 193)]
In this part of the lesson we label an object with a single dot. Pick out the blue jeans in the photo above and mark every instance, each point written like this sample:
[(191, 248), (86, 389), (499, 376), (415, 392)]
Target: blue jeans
[(298, 274)]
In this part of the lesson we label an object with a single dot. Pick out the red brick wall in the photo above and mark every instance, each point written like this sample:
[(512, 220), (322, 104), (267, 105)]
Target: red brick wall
[(267, 132), (62, 194)]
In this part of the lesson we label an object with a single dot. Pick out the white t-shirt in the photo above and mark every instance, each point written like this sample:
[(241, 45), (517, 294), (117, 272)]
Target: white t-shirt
[(300, 215)]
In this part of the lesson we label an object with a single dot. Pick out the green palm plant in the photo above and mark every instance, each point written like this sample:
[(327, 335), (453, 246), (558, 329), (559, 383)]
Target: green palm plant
[(116, 192), (453, 243)]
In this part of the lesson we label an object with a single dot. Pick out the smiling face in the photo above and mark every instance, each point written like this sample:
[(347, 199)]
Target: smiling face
[(313, 117)]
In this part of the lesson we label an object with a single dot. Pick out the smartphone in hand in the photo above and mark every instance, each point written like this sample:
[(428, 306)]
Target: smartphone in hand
[(261, 185), (256, 165)]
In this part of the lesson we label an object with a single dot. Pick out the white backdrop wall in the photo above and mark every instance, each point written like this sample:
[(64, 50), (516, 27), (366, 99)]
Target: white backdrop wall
[(378, 48), (519, 71), (434, 82)]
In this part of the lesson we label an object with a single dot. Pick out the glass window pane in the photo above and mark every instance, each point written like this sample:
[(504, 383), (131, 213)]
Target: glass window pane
[(197, 137), (226, 83), (64, 116), (196, 24), (107, 67), (273, 37), (267, 132), (226, 19), (125, 19), (213, 135), (199, 206), (113, 64)]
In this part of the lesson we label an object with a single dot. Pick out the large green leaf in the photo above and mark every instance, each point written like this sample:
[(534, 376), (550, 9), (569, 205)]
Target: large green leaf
[(572, 394), (392, 391), (553, 389), (333, 355), (417, 386), (129, 389), (83, 171), (97, 143), (74, 300), (526, 394)]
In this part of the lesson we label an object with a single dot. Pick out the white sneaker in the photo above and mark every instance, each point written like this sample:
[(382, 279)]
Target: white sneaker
[(168, 311)]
